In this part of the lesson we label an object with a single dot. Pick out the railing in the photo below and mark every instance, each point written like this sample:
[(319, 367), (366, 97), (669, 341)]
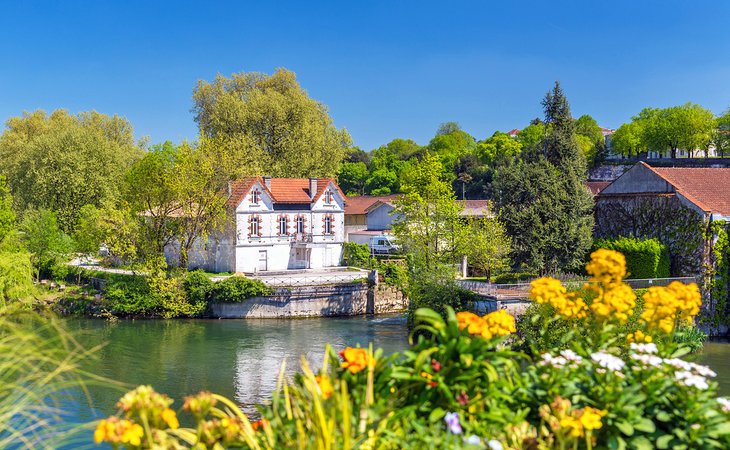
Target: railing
[(521, 290), (312, 280)]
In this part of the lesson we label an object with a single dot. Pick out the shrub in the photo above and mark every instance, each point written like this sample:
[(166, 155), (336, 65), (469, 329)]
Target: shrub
[(198, 287), (394, 274), (237, 289), (647, 258), (514, 277), (356, 255)]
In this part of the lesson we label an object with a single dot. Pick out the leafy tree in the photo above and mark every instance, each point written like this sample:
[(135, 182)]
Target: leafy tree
[(450, 144), (269, 125), (721, 136), (62, 162), (16, 276), (358, 155), (474, 180), (499, 149), (7, 216), (628, 139), (489, 246), (590, 139), (544, 205), (678, 127), (427, 217), (531, 135), (352, 177), (47, 243)]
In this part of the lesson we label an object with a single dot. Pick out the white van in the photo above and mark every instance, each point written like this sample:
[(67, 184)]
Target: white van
[(383, 245)]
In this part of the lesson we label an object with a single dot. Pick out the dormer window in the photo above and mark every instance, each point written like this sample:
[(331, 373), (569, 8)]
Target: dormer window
[(256, 197), (328, 197)]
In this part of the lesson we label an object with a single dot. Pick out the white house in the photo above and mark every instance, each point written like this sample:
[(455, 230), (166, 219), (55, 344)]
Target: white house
[(277, 224)]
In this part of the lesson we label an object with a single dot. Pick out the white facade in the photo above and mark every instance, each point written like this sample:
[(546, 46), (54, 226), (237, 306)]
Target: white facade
[(277, 236)]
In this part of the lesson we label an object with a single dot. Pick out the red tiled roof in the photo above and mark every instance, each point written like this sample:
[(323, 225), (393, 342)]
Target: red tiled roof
[(708, 187), (597, 186), (514, 132), (359, 204), (474, 208), (282, 190)]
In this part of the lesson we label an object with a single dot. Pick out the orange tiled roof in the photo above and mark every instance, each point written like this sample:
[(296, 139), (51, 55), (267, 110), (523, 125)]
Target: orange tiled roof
[(597, 186), (282, 190), (707, 187), (359, 204)]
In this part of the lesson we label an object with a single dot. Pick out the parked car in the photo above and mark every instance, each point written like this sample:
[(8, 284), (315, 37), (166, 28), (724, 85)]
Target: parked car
[(383, 245)]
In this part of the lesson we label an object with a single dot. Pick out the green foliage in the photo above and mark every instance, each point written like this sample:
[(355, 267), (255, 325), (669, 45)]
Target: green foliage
[(718, 312), (351, 178), (132, 296), (542, 200), (16, 275), (514, 277), (48, 245), (260, 123), (394, 274), (489, 246), (237, 289), (356, 255), (7, 216), (500, 149), (645, 258), (450, 144), (62, 162), (198, 287), (437, 292), (628, 139)]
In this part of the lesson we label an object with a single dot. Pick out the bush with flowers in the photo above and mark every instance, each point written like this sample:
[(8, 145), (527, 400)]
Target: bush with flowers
[(461, 385)]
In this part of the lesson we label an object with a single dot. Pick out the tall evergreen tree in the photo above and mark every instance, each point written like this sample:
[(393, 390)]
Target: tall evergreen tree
[(543, 201)]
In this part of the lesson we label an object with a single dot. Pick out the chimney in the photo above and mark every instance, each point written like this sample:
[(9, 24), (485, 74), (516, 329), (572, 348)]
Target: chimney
[(312, 188), (267, 182)]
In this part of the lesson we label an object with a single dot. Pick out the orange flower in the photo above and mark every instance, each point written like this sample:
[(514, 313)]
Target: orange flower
[(259, 424), (355, 359), (325, 386)]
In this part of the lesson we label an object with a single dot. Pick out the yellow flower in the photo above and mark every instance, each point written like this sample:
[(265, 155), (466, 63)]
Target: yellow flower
[(665, 306), (170, 418), (615, 301), (105, 430), (132, 433), (573, 426), (551, 291), (472, 322), (638, 336), (590, 418), (606, 266), (117, 431), (355, 359), (325, 386)]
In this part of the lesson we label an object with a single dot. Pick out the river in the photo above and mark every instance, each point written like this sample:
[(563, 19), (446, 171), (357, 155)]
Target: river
[(241, 358)]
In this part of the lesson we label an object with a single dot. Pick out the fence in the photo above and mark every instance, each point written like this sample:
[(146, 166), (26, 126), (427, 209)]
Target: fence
[(521, 290), (312, 280)]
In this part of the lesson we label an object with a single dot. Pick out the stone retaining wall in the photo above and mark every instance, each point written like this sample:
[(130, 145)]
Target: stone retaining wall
[(316, 301)]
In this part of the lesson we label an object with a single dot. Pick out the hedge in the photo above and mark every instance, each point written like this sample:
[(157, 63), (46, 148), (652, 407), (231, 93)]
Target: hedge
[(647, 258)]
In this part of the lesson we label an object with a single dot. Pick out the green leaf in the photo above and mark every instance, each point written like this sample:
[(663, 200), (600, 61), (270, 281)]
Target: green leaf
[(646, 425), (641, 443), (625, 427), (663, 416), (436, 415), (681, 351), (616, 443), (467, 359), (663, 441)]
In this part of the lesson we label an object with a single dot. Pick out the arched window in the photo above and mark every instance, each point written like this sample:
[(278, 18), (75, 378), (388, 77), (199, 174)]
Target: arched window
[(282, 225), (300, 224)]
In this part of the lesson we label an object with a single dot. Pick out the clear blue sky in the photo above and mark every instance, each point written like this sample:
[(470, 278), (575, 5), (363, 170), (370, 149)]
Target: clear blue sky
[(385, 69)]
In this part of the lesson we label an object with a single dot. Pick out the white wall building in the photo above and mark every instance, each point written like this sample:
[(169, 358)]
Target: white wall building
[(277, 224)]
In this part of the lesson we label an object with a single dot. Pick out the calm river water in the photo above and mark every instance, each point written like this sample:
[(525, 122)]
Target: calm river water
[(241, 358)]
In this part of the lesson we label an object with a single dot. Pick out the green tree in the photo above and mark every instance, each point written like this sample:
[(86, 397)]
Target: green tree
[(450, 144), (7, 216), (48, 244), (628, 139), (427, 221), (489, 245), (685, 127), (590, 139), (532, 135), (352, 177), (721, 135), (62, 162), (542, 200), (269, 125), (499, 149)]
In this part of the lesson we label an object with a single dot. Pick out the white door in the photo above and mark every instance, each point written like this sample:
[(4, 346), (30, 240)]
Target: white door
[(263, 261)]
